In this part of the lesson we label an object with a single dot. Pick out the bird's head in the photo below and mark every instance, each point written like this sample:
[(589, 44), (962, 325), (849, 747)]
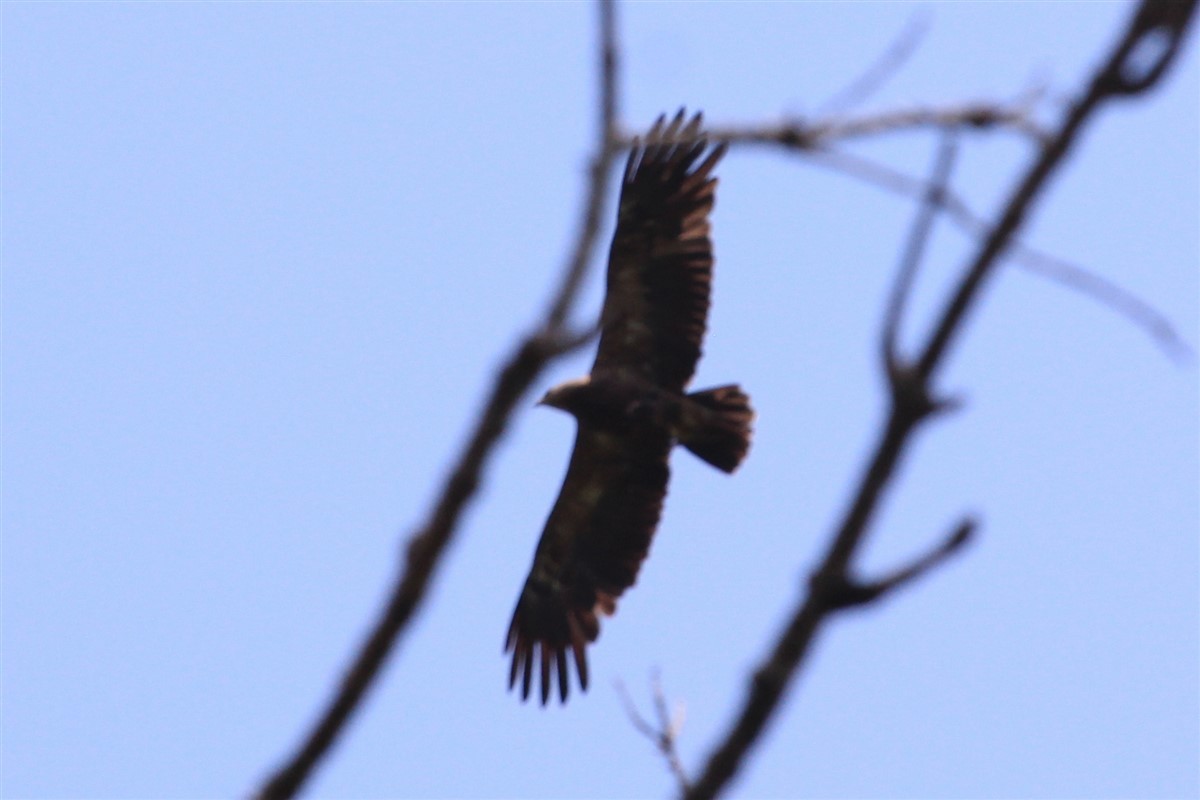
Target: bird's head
[(563, 396)]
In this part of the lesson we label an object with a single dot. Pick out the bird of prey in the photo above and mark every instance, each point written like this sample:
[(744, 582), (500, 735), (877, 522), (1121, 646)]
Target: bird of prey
[(632, 408)]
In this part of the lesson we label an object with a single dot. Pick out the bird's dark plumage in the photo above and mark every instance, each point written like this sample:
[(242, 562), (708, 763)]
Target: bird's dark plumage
[(631, 409)]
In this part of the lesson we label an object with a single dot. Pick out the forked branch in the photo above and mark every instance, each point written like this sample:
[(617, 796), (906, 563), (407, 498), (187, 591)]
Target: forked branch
[(664, 732), (1143, 54)]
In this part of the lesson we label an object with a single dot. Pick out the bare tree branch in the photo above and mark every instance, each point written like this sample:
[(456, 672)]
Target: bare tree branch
[(429, 541), (607, 146), (885, 66), (841, 591), (1136, 63), (815, 135), (817, 139), (665, 733), (921, 231), (1074, 277), (1154, 20)]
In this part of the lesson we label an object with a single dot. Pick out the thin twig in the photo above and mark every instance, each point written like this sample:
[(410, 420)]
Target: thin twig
[(839, 591), (428, 543), (958, 538), (1120, 76), (817, 140), (883, 67), (1154, 18), (1098, 288), (813, 135), (608, 145), (665, 733), (1073, 276), (914, 251)]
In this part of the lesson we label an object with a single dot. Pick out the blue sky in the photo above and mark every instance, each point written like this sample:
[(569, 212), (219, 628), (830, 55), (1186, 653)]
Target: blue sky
[(261, 259)]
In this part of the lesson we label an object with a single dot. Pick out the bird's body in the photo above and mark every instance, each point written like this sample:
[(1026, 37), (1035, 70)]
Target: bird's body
[(632, 409)]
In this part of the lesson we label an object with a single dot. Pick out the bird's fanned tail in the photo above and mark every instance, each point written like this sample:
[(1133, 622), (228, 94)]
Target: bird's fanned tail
[(720, 437)]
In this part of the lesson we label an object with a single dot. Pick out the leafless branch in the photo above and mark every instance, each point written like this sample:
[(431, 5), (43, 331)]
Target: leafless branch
[(607, 146), (817, 134), (933, 201), (1135, 64), (665, 733), (1073, 276), (428, 543), (818, 139), (1156, 21), (1107, 293), (841, 591), (885, 66)]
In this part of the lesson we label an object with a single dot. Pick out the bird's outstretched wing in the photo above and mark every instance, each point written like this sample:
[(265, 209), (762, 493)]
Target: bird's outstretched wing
[(594, 542), (660, 265)]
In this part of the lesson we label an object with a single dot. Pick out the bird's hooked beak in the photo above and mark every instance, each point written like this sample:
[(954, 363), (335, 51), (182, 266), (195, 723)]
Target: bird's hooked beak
[(561, 396), (551, 399)]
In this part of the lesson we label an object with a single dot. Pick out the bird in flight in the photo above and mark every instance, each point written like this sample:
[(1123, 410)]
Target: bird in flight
[(632, 409)]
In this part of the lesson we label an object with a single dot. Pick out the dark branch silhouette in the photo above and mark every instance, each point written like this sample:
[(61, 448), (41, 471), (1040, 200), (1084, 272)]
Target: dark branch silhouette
[(428, 543), (1135, 64), (818, 140), (1072, 276), (915, 250), (812, 136)]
